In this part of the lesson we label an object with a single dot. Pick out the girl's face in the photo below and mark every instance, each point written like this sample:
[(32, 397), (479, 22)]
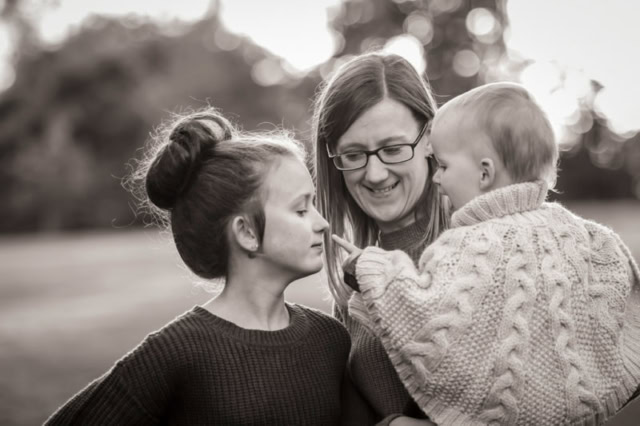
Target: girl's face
[(293, 234), (388, 193)]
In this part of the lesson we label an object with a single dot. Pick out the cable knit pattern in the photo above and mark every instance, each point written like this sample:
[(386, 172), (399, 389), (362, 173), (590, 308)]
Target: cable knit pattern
[(514, 337), (522, 313)]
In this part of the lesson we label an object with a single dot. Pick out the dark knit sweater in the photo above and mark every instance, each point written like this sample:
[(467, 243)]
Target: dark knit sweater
[(202, 370), (369, 366)]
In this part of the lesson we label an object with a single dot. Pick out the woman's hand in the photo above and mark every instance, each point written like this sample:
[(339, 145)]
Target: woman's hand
[(349, 264), (410, 421)]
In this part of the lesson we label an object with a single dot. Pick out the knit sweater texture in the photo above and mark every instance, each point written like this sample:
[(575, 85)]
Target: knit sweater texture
[(521, 314), (370, 369), (203, 370)]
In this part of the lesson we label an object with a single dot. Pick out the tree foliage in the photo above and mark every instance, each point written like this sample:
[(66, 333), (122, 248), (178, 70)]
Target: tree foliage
[(76, 116)]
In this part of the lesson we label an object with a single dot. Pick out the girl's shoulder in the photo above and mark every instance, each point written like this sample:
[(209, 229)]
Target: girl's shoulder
[(176, 334), (320, 321)]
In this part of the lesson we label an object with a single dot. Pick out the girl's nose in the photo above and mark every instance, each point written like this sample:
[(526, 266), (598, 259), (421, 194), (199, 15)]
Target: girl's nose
[(321, 224)]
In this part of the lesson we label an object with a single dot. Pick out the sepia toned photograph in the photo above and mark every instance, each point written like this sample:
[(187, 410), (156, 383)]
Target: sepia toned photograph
[(319, 212)]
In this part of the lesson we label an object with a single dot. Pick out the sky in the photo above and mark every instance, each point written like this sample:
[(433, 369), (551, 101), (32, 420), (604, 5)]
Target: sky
[(568, 41)]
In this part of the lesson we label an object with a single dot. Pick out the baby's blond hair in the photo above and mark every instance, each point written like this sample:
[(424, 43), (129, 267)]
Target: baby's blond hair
[(519, 130)]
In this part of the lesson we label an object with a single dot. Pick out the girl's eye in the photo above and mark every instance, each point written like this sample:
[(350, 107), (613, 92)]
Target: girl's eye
[(301, 212)]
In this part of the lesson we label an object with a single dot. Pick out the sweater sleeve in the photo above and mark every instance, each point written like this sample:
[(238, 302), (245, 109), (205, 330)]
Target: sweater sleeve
[(135, 391), (418, 312), (105, 401), (355, 409)]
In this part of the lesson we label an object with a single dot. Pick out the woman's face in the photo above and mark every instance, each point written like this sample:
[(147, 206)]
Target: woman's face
[(388, 193)]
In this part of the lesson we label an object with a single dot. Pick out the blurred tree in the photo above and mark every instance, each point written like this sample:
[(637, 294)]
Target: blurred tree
[(76, 115), (441, 26)]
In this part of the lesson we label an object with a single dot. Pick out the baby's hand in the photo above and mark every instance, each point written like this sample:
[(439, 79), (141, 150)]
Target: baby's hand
[(349, 264), (346, 245)]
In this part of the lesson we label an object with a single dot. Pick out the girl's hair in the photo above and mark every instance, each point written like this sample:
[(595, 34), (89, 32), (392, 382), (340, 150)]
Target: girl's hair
[(518, 128), (198, 173), (353, 89)]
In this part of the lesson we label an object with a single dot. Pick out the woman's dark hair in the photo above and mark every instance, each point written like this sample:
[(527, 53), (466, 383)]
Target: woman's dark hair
[(199, 171), (352, 90)]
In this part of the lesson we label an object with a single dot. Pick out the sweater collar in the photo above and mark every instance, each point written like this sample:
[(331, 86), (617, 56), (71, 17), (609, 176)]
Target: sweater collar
[(405, 237), (508, 200), (296, 330)]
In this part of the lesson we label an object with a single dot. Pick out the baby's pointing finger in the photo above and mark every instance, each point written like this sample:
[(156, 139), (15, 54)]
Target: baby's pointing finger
[(350, 248)]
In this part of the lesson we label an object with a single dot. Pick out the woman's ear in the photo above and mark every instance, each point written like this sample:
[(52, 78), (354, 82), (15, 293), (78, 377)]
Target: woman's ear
[(488, 176), (242, 232)]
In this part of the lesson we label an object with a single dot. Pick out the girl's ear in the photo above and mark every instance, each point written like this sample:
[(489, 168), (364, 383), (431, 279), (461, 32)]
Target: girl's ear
[(488, 176), (244, 235)]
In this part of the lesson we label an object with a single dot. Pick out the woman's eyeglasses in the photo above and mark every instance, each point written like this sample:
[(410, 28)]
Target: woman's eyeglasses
[(391, 154)]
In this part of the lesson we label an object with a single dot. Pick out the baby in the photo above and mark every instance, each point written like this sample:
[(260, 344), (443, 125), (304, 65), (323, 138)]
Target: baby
[(522, 312)]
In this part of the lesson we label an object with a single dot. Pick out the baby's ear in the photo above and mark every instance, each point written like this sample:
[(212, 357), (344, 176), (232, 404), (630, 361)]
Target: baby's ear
[(488, 176), (428, 149)]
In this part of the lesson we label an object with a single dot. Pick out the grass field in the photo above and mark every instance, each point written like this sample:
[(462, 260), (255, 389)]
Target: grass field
[(72, 304)]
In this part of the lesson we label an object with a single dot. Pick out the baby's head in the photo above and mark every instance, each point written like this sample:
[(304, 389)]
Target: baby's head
[(489, 137)]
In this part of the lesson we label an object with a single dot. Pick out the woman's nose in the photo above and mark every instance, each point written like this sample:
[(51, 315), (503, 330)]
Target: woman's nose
[(376, 170)]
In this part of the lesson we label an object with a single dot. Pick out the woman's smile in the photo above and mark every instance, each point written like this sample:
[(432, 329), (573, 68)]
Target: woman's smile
[(382, 191)]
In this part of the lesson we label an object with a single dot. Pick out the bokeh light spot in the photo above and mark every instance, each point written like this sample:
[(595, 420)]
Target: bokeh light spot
[(482, 24), (466, 63), (226, 40), (267, 72), (409, 48), (419, 25)]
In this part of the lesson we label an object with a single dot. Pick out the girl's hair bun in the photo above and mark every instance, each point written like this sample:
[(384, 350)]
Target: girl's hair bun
[(175, 166)]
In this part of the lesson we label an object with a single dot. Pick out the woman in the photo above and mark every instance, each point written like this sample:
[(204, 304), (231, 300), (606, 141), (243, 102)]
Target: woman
[(374, 184), (240, 208)]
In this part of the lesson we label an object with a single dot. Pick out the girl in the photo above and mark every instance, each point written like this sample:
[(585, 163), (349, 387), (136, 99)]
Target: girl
[(241, 208)]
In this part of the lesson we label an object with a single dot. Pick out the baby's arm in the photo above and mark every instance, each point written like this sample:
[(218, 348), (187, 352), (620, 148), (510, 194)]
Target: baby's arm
[(420, 312)]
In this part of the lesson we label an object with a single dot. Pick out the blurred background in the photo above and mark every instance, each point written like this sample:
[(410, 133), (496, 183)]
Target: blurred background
[(84, 82)]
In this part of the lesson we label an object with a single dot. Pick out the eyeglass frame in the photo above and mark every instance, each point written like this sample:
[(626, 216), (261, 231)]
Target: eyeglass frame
[(375, 152)]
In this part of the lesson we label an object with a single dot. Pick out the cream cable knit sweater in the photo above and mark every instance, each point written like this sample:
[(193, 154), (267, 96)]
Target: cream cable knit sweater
[(521, 314)]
